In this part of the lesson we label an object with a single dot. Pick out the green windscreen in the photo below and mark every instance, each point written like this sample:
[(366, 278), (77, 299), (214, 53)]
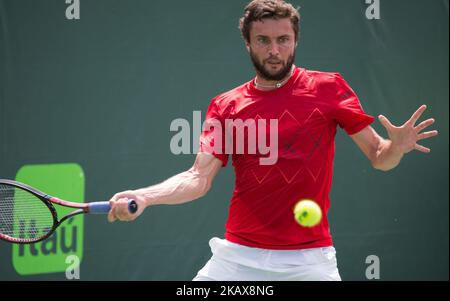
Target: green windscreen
[(102, 90), (65, 181)]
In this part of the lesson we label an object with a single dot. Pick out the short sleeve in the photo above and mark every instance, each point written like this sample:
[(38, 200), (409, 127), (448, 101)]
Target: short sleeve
[(212, 137), (348, 112)]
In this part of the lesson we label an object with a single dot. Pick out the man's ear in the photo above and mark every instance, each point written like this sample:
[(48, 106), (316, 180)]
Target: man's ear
[(247, 45)]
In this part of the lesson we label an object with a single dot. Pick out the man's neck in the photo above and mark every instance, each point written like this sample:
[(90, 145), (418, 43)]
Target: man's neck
[(267, 85)]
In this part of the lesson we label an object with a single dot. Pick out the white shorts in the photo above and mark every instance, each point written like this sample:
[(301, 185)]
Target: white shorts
[(234, 262)]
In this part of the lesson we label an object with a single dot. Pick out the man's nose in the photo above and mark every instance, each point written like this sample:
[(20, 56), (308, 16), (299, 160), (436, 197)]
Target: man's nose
[(274, 49)]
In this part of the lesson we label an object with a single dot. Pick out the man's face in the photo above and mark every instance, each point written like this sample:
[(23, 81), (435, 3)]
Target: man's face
[(272, 47)]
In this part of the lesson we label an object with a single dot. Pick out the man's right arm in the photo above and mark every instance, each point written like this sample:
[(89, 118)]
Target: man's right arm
[(181, 188)]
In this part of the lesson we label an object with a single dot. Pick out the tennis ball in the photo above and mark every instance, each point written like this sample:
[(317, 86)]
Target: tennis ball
[(307, 213)]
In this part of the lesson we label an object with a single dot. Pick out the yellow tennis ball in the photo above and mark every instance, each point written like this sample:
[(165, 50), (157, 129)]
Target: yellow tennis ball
[(307, 213)]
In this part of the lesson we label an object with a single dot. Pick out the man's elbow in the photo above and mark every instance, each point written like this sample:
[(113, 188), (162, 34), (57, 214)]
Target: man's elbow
[(202, 192), (203, 188)]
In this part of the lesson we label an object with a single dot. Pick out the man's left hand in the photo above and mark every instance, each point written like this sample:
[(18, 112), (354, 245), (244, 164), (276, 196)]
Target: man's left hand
[(404, 138)]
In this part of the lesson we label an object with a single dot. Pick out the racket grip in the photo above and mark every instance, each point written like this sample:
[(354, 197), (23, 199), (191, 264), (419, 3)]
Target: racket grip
[(132, 206), (104, 207)]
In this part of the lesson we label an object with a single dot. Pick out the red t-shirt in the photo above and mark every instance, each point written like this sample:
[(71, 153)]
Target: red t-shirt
[(308, 109)]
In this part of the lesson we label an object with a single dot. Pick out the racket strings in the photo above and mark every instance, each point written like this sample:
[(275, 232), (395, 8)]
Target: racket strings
[(23, 215)]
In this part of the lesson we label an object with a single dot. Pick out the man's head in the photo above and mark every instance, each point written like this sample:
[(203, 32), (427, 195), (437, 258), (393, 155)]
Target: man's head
[(270, 30)]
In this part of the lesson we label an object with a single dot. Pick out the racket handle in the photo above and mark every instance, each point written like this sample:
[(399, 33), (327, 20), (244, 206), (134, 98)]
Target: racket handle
[(104, 207), (132, 206)]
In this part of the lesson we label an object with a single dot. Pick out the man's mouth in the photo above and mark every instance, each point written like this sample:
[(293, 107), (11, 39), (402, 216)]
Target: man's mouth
[(273, 63)]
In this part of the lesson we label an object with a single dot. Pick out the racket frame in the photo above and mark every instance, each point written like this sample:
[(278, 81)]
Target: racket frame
[(48, 200)]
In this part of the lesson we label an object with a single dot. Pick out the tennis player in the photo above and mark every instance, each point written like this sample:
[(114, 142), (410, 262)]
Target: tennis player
[(262, 240)]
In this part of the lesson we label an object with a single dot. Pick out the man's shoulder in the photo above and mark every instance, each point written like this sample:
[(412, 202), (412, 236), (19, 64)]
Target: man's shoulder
[(321, 81), (322, 76)]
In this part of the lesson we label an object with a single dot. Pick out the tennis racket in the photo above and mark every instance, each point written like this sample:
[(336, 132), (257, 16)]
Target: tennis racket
[(22, 205)]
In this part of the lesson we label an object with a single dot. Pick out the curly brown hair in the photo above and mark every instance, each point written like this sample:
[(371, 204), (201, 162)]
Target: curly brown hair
[(258, 10)]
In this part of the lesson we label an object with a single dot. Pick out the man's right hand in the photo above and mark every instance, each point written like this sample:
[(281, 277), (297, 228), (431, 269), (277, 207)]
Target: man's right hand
[(119, 206)]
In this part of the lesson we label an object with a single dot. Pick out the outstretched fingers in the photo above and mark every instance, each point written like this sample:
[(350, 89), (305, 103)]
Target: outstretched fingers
[(417, 115), (385, 122), (426, 135), (422, 148), (424, 124)]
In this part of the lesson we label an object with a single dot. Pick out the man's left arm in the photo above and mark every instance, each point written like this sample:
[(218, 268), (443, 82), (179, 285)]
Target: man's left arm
[(385, 154)]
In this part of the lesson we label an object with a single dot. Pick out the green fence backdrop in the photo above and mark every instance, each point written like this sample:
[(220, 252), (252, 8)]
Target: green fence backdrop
[(101, 92)]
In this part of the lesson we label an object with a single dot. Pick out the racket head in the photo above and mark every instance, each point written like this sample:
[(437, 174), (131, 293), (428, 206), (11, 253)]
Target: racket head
[(26, 214)]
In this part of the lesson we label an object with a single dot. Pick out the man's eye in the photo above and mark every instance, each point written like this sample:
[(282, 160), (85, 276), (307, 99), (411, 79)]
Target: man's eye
[(283, 40), (262, 40)]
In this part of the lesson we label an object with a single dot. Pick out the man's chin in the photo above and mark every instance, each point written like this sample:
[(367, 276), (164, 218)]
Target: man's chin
[(275, 74)]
